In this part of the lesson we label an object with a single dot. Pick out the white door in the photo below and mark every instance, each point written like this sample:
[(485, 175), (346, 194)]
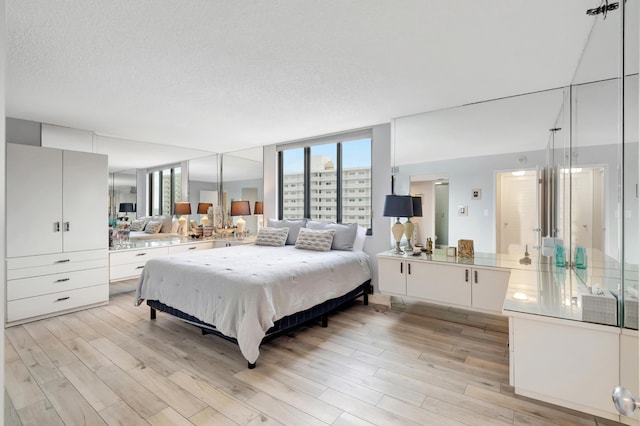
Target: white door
[(85, 201), (34, 201), (517, 212)]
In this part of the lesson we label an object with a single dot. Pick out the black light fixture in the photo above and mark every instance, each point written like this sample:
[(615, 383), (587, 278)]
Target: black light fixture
[(397, 206)]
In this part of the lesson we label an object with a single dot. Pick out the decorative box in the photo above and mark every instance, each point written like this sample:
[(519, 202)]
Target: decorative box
[(598, 306)]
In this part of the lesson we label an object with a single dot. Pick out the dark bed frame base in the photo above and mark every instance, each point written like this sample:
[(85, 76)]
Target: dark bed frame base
[(281, 326)]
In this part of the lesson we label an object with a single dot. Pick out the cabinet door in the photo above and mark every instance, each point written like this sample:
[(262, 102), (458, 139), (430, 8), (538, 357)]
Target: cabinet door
[(34, 201), (392, 276), (489, 288), (439, 283), (85, 201)]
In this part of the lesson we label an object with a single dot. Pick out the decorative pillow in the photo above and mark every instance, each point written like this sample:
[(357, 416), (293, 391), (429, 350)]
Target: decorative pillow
[(166, 222), (294, 226), (318, 240), (137, 224), (275, 237), (153, 227), (345, 233), (175, 226)]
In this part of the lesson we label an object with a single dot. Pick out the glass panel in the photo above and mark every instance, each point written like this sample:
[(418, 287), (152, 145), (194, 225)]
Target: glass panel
[(156, 194), (293, 183), (356, 182), (166, 192), (324, 183)]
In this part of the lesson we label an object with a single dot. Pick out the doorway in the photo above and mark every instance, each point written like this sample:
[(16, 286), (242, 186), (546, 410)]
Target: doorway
[(517, 207)]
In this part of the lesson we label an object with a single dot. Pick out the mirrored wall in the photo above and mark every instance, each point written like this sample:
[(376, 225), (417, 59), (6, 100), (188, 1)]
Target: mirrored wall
[(560, 163)]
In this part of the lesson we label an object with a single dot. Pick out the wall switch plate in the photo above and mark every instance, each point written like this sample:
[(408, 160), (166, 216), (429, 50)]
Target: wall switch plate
[(463, 210)]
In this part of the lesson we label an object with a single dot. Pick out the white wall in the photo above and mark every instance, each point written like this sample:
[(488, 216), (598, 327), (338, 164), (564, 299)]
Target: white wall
[(3, 166)]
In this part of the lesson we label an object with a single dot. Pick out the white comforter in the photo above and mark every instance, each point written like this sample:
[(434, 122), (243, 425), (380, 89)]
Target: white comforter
[(243, 290)]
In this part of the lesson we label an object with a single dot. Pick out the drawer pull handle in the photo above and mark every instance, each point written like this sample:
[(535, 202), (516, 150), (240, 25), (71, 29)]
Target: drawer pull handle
[(466, 275), (475, 277), (62, 261), (67, 227), (141, 254), (56, 227), (62, 299), (409, 268), (401, 271), (192, 248), (61, 280), (140, 267)]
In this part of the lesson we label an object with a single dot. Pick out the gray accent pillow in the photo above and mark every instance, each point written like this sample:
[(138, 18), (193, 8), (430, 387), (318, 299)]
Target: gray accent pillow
[(294, 226), (345, 233), (318, 240), (137, 224), (153, 227), (274, 237)]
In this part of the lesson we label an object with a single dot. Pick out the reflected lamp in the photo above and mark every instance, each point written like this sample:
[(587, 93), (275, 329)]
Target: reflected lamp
[(409, 227), (126, 208), (398, 206), (183, 209), (203, 209), (240, 208)]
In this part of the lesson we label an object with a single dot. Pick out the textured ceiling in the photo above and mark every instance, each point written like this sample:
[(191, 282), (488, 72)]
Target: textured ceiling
[(225, 75)]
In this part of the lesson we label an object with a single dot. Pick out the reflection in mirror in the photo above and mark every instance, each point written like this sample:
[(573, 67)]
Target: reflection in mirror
[(434, 223), (122, 189), (242, 180), (204, 185)]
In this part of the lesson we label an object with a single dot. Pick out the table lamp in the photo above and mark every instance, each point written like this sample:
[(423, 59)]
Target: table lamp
[(240, 208), (398, 206), (203, 209), (258, 209), (409, 227), (126, 208), (182, 209)]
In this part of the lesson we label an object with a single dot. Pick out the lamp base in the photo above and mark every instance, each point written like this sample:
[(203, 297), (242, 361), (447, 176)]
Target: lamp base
[(397, 230), (183, 225), (397, 249), (408, 233)]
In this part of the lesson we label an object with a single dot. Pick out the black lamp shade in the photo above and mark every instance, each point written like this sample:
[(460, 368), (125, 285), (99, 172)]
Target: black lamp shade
[(398, 206), (126, 208), (240, 208), (203, 208), (182, 208), (417, 206)]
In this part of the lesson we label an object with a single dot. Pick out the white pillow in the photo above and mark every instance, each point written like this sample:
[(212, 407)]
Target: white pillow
[(345, 233), (312, 239), (175, 226), (361, 236), (153, 227), (294, 226), (274, 237)]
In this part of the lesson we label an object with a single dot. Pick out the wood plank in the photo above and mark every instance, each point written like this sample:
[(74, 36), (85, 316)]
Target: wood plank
[(38, 413), (86, 353), (70, 405), (56, 351), (139, 398), (121, 414), (312, 406), (168, 417), (221, 402), (282, 411), (211, 417), (20, 385), (115, 354), (97, 394)]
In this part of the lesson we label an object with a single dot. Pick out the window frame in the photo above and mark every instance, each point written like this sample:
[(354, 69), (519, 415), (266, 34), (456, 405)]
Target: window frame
[(338, 140)]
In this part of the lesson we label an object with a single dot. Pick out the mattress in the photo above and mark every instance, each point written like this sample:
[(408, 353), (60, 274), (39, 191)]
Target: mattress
[(243, 290)]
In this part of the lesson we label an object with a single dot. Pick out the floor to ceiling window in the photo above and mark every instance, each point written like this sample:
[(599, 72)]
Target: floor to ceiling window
[(165, 189), (327, 180)]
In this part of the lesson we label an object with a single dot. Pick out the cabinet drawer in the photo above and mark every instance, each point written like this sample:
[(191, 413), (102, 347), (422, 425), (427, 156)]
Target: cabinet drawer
[(33, 266), (123, 272), (136, 256), (56, 302), (44, 284), (190, 247)]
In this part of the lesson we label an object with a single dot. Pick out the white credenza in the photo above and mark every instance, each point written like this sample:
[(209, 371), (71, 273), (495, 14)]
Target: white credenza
[(467, 286), (57, 257)]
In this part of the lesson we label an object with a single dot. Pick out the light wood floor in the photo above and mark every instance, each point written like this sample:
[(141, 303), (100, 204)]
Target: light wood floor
[(413, 364)]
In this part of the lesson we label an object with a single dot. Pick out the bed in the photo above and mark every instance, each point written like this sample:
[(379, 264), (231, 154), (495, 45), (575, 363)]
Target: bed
[(249, 294)]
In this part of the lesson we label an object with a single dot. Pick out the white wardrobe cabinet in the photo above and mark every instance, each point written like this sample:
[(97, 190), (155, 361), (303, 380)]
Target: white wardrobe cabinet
[(57, 223), (56, 201)]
